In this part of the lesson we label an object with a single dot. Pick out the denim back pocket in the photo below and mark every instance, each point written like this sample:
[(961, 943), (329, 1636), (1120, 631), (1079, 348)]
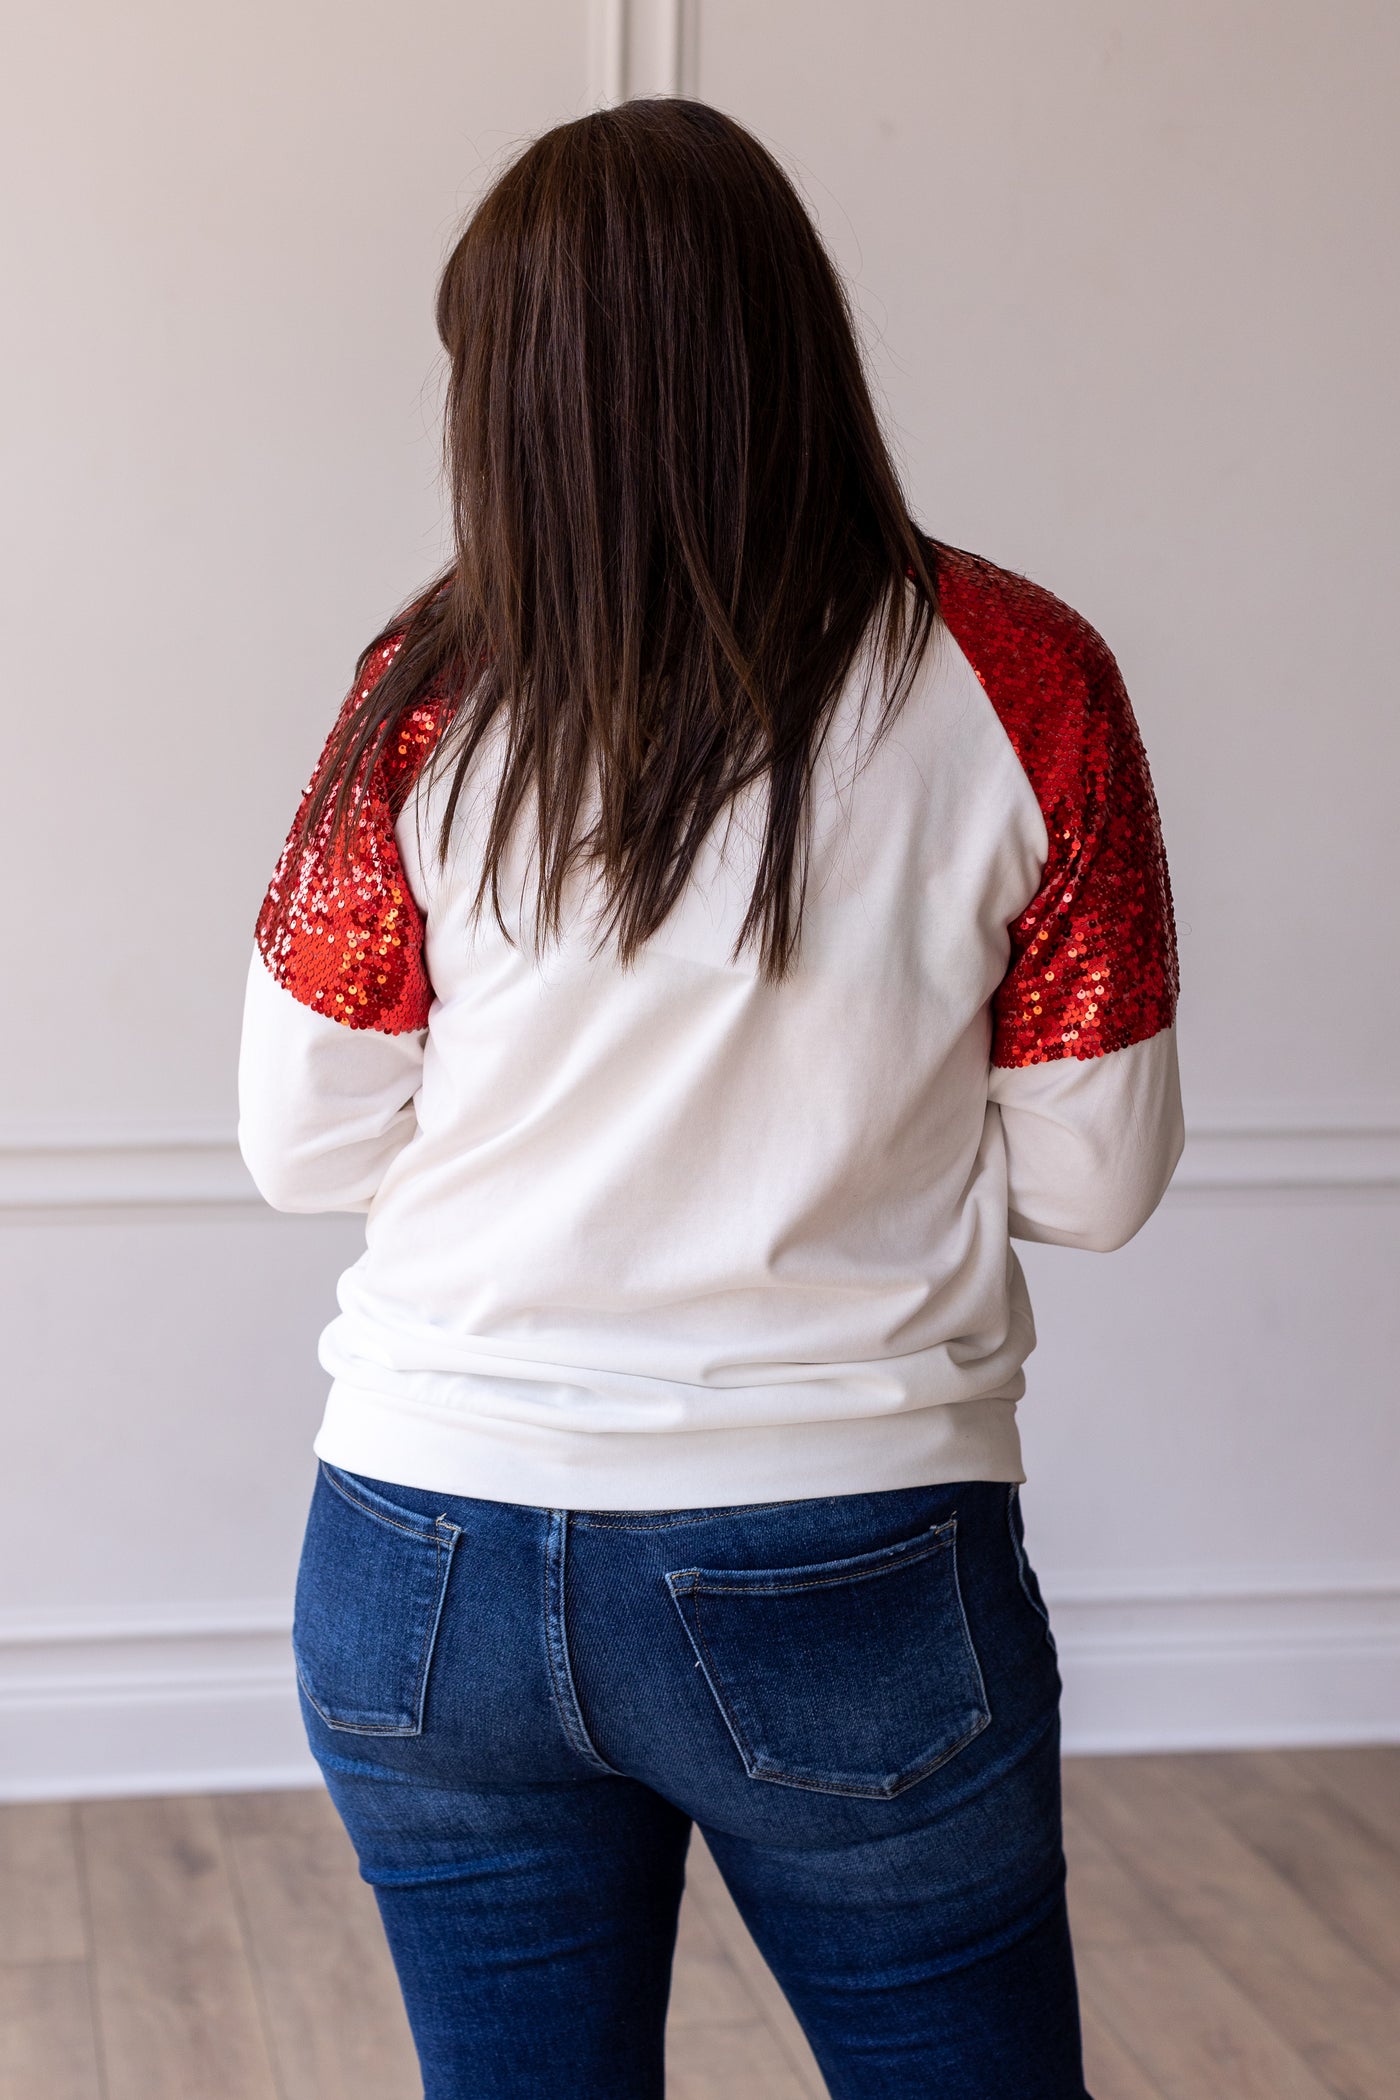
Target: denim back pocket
[(370, 1590), (852, 1677)]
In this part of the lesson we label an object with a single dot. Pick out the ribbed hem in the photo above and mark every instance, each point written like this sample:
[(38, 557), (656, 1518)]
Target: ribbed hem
[(501, 1461)]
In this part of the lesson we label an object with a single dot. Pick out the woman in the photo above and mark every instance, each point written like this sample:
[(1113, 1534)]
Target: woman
[(722, 917)]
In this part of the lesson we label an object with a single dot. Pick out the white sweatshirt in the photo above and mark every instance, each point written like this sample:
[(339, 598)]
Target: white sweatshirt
[(671, 1236)]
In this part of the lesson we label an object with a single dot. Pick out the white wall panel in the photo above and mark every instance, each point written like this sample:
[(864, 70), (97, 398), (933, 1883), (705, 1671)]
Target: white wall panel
[(220, 465)]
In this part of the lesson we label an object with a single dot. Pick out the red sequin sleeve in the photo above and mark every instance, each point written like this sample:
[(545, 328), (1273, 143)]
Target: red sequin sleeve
[(1093, 956), (339, 928)]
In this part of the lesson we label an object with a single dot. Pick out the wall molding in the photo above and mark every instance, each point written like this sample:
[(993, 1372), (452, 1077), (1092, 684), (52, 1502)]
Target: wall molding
[(1299, 1155), (123, 1170), (73, 1172), (150, 1700)]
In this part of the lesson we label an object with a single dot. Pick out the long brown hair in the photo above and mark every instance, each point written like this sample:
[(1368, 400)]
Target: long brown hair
[(675, 516)]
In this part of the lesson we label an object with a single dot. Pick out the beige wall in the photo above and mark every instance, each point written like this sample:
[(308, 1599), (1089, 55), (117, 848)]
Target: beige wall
[(1129, 277)]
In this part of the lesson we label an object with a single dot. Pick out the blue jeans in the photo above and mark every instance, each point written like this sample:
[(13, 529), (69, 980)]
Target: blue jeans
[(520, 1712)]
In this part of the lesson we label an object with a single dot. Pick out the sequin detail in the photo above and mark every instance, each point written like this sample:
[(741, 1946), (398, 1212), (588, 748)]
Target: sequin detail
[(339, 928), (1093, 956)]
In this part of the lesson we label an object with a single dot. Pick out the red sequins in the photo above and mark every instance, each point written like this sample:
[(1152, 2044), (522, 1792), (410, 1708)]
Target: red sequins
[(1094, 964), (339, 928)]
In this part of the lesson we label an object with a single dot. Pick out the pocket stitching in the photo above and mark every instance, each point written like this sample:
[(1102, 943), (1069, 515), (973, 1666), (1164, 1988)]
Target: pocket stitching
[(441, 1525), (354, 1727), (754, 1762), (865, 1793), (746, 1755), (904, 1554), (420, 1686)]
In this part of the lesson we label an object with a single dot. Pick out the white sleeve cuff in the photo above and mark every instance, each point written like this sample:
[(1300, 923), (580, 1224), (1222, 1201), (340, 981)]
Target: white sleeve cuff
[(323, 1108), (1091, 1143)]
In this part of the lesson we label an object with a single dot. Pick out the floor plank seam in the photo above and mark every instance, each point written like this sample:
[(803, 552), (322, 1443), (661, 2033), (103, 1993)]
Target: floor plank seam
[(1240, 1941), (1285, 1872), (248, 1939), (1191, 1937), (78, 1839)]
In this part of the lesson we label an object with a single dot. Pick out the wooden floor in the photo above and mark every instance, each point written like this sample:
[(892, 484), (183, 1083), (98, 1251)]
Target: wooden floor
[(1237, 1928)]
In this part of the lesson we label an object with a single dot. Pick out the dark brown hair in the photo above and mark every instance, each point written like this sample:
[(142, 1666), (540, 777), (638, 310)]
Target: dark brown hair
[(675, 517)]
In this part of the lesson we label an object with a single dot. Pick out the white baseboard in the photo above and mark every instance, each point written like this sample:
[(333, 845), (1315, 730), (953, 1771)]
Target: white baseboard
[(1230, 1670), (147, 1703)]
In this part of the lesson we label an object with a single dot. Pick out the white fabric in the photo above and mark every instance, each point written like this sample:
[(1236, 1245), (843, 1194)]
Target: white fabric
[(672, 1236)]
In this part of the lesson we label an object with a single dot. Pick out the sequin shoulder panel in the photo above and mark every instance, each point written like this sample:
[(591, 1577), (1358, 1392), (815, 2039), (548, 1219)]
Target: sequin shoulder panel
[(339, 927), (1093, 957)]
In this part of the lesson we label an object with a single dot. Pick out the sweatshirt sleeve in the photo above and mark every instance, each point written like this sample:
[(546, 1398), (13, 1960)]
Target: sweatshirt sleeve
[(1091, 1143), (338, 995), (1083, 1057), (340, 928), (322, 1108)]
